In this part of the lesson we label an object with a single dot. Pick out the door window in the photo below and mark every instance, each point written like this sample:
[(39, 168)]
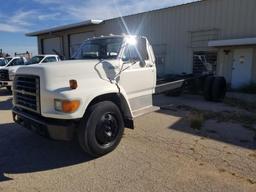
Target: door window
[(136, 52)]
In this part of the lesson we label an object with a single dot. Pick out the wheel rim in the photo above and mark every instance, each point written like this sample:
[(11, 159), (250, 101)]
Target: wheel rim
[(107, 130)]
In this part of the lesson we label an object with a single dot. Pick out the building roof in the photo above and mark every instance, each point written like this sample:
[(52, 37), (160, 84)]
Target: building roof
[(232, 42), (96, 22), (61, 28)]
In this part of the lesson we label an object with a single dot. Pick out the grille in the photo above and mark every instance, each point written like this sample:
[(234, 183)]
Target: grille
[(4, 75), (26, 92)]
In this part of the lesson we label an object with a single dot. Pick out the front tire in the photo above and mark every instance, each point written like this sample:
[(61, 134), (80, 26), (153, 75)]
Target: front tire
[(101, 129)]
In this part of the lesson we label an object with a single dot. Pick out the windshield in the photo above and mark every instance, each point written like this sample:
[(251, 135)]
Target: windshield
[(35, 60), (3, 62), (105, 48)]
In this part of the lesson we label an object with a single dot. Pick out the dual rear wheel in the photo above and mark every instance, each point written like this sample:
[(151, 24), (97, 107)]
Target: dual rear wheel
[(215, 89)]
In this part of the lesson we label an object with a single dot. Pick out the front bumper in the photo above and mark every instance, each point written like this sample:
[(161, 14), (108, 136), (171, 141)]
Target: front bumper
[(53, 128), (5, 83)]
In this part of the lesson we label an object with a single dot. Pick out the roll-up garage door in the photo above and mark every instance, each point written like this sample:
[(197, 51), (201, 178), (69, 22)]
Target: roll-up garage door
[(51, 44), (75, 41)]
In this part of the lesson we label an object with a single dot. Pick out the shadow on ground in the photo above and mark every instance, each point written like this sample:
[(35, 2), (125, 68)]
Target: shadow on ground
[(25, 152), (229, 133), (6, 105)]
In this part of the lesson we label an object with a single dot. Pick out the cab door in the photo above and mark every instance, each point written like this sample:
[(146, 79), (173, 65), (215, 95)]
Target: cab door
[(139, 77)]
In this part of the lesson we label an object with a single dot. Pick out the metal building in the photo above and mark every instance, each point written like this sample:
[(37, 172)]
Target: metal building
[(184, 37)]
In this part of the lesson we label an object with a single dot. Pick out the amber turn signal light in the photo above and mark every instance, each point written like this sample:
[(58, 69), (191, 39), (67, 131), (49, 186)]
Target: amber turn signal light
[(66, 106), (73, 84), (70, 106)]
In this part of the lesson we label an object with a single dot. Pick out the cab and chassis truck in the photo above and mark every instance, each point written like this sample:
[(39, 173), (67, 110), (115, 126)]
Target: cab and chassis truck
[(110, 81)]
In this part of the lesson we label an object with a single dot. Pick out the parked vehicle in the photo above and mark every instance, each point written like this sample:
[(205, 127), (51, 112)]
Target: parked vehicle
[(4, 70), (3, 62), (13, 61), (110, 82), (7, 73), (43, 59), (39, 59)]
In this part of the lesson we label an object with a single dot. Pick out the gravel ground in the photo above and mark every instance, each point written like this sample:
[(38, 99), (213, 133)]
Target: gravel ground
[(161, 154)]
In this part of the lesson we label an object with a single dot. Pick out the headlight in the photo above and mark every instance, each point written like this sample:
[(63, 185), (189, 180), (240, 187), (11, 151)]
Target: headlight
[(66, 106), (11, 75)]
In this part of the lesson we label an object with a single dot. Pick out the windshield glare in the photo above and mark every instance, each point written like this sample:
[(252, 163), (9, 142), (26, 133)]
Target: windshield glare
[(35, 60), (105, 48), (2, 62)]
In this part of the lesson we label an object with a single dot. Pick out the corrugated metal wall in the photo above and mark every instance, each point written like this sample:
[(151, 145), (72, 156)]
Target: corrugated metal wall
[(225, 61), (178, 28), (184, 29)]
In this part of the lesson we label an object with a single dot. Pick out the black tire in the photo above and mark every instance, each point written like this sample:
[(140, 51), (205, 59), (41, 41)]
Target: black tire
[(208, 88), (219, 89), (101, 129), (9, 88)]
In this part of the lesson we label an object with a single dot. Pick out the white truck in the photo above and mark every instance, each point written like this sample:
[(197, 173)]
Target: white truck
[(12, 61), (7, 73), (109, 82), (4, 70)]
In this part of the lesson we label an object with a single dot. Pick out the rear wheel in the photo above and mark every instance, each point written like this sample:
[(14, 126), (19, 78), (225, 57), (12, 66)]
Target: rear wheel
[(101, 129), (208, 88), (219, 88)]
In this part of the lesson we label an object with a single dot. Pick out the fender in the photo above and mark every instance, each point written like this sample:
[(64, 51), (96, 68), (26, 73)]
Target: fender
[(117, 96)]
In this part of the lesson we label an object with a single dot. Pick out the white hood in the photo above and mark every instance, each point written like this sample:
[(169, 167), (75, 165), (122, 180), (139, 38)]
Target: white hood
[(72, 69)]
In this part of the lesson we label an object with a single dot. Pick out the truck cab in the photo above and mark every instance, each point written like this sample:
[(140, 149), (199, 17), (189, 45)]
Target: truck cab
[(109, 81), (13, 61)]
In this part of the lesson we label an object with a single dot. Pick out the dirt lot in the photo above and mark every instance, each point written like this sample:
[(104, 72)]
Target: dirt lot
[(162, 154)]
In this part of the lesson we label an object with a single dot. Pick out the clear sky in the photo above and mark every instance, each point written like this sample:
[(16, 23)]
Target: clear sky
[(18, 17)]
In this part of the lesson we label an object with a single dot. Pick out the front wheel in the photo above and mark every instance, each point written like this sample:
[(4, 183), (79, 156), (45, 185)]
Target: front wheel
[(101, 129)]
